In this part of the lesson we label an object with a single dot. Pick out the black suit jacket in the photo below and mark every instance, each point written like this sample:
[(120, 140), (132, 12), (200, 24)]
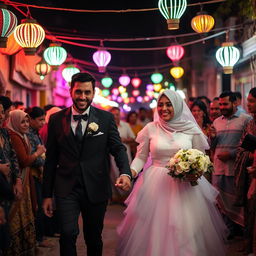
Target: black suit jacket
[(65, 159)]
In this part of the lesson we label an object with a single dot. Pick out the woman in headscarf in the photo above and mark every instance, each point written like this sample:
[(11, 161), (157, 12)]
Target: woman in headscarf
[(10, 182), (22, 227), (165, 216)]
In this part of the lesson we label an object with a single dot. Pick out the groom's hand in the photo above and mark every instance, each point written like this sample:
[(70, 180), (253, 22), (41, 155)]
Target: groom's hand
[(123, 182), (48, 207)]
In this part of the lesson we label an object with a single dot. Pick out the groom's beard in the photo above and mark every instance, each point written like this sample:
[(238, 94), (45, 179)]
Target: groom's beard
[(82, 109)]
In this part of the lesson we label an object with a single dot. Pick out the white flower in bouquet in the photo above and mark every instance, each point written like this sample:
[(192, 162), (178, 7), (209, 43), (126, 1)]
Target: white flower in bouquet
[(189, 161)]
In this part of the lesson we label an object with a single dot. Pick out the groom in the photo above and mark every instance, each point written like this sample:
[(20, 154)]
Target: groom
[(76, 169)]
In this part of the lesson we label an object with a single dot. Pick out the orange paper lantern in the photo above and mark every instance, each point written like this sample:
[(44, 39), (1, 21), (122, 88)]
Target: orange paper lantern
[(12, 46)]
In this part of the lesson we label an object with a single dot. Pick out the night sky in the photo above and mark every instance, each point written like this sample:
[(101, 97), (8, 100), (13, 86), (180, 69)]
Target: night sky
[(113, 25)]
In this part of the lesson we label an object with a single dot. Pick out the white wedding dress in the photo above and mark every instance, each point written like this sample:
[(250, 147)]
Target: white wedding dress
[(164, 216)]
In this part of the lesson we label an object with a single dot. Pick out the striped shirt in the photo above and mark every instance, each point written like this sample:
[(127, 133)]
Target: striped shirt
[(228, 135)]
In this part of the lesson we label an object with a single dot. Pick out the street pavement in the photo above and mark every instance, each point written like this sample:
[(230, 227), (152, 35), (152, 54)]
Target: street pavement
[(113, 217)]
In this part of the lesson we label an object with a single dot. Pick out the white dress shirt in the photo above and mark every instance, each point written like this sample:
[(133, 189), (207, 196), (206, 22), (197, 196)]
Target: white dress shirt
[(75, 123)]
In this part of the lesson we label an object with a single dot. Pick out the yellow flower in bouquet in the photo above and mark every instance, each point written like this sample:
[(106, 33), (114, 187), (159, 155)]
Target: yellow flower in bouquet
[(189, 161)]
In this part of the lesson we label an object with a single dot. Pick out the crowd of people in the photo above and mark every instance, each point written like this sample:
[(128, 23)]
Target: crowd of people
[(56, 163)]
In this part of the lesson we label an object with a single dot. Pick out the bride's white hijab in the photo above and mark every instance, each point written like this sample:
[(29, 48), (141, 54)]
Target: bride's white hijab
[(183, 120)]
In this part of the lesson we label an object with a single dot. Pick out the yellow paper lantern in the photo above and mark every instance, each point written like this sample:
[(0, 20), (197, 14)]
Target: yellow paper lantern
[(29, 35), (177, 72), (157, 87), (202, 23)]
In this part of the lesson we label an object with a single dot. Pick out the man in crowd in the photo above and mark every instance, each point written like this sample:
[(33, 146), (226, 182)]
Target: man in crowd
[(225, 135), (239, 102), (214, 109), (245, 176)]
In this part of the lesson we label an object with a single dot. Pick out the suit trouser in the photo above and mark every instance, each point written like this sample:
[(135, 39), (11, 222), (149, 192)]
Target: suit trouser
[(69, 209)]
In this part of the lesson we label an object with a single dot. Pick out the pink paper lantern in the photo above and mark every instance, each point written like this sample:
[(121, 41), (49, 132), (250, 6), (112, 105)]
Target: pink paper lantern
[(132, 99), (175, 52), (139, 99), (115, 91), (101, 59), (135, 93), (136, 82), (124, 80)]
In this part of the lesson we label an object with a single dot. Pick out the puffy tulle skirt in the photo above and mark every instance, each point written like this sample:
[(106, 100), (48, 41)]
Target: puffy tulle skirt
[(166, 217)]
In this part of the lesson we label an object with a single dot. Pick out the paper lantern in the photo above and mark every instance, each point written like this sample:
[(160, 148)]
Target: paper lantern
[(228, 55), (136, 82), (175, 52), (121, 89), (124, 80), (157, 87), (42, 69), (202, 23), (135, 93), (12, 46), (172, 10), (106, 82), (105, 92), (55, 55), (157, 78), (68, 72), (177, 72), (101, 59), (8, 23), (29, 35)]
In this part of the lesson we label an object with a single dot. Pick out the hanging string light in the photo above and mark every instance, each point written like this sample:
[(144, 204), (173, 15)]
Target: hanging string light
[(29, 35), (227, 55), (202, 23), (8, 23), (55, 55), (101, 58), (172, 11), (177, 72), (12, 46), (42, 69), (175, 52), (68, 72)]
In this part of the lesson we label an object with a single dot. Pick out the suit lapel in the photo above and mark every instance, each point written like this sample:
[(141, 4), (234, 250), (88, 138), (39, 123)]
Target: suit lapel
[(66, 124), (92, 119)]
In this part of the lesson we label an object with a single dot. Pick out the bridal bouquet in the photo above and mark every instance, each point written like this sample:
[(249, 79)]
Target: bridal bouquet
[(189, 161)]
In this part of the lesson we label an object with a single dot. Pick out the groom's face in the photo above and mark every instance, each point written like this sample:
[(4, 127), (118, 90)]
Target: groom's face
[(82, 95)]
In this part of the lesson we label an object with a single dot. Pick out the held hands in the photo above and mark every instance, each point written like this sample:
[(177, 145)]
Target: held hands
[(123, 182), (224, 156), (193, 177), (48, 207)]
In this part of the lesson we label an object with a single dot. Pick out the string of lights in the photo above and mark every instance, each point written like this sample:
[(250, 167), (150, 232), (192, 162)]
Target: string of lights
[(99, 11), (81, 38), (138, 49)]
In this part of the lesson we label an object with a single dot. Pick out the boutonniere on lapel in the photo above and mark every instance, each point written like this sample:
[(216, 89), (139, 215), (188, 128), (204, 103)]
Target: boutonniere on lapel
[(92, 128)]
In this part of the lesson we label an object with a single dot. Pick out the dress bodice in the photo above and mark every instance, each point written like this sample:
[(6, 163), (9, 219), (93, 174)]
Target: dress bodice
[(164, 145)]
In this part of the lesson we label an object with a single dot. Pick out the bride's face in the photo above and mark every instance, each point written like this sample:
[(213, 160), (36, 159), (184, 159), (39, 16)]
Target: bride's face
[(165, 109)]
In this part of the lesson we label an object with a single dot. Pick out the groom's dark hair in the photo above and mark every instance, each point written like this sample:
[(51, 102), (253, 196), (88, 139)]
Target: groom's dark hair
[(82, 77)]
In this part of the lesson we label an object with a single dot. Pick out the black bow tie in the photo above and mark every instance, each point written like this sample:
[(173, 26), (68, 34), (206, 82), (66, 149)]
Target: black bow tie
[(80, 117)]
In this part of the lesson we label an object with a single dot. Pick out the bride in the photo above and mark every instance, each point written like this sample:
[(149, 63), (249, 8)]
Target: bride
[(165, 216)]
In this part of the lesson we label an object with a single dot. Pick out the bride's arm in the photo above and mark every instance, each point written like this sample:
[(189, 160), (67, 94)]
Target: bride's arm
[(142, 151)]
